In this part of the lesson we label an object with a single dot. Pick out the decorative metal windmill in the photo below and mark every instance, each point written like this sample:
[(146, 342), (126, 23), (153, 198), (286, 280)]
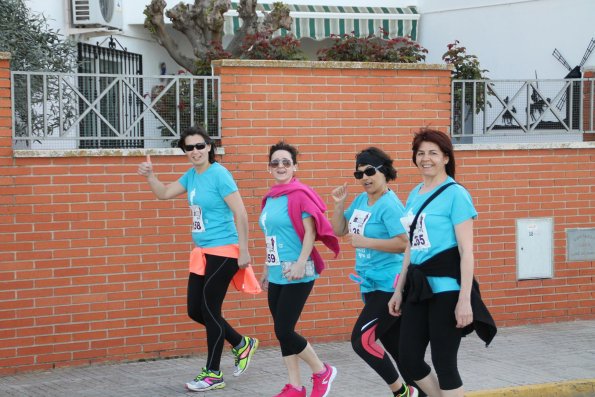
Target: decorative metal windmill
[(577, 71)]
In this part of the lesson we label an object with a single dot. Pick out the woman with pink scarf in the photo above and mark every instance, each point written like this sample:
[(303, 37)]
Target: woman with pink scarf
[(292, 219)]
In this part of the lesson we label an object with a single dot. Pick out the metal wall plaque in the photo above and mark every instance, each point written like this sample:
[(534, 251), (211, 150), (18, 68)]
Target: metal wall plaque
[(580, 244)]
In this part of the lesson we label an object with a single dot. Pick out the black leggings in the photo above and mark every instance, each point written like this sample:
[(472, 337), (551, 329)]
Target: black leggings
[(205, 297), (432, 322), (375, 322), (286, 303)]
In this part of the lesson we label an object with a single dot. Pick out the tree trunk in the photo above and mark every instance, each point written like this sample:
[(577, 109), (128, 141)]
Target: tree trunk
[(202, 24)]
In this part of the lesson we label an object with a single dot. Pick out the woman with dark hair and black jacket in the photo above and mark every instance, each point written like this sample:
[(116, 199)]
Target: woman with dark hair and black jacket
[(220, 234), (436, 295)]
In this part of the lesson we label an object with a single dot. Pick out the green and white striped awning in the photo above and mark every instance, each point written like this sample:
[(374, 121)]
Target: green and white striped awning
[(319, 22)]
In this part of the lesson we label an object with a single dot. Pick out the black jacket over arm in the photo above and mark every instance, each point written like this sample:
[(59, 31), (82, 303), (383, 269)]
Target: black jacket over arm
[(447, 264)]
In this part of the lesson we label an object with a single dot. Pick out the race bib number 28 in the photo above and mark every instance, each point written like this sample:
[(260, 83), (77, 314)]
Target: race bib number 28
[(198, 225)]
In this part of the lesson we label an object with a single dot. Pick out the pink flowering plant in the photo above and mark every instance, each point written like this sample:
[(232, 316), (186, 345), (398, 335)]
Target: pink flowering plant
[(349, 47), (263, 46)]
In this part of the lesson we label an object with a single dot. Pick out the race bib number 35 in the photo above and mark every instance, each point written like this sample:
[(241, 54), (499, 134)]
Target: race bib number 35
[(421, 239)]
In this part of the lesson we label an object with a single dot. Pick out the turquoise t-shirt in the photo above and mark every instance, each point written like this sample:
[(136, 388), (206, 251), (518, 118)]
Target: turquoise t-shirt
[(212, 220), (377, 269), (283, 243), (435, 231)]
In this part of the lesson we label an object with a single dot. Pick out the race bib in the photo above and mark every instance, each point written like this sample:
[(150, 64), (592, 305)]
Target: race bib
[(420, 234), (272, 253), (198, 226), (357, 222)]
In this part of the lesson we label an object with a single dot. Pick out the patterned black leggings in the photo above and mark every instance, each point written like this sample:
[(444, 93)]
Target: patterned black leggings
[(205, 298), (373, 323)]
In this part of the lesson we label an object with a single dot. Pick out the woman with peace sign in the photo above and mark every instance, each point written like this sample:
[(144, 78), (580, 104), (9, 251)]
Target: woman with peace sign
[(379, 239), (220, 256)]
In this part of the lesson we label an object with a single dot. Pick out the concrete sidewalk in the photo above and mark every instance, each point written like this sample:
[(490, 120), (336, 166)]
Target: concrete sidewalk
[(538, 360)]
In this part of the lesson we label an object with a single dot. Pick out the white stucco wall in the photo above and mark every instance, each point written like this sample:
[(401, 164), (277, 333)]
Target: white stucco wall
[(134, 37), (512, 38)]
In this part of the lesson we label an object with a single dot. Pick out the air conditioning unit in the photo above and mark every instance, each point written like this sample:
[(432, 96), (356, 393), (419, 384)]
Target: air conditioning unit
[(97, 13)]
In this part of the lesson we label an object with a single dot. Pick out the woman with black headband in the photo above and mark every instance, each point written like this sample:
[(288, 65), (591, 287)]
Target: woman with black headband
[(220, 233), (379, 239)]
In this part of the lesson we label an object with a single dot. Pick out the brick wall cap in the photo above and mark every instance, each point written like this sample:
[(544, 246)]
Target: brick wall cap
[(247, 63), (5, 55), (97, 152), (524, 146), (220, 150)]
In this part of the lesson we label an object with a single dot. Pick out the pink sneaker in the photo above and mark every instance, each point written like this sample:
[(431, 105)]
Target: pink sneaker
[(291, 391), (321, 383)]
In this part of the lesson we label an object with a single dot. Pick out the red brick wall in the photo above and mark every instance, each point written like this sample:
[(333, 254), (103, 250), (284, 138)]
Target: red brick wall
[(93, 267)]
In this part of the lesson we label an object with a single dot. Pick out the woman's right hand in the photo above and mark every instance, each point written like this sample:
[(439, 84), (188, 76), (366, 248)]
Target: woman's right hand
[(394, 304), (340, 194), (146, 167), (264, 280)]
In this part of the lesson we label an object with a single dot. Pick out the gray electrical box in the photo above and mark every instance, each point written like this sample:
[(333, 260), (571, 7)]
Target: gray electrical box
[(534, 248)]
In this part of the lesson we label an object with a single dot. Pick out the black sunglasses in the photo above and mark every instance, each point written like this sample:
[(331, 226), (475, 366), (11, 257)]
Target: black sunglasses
[(284, 162), (198, 146), (370, 171)]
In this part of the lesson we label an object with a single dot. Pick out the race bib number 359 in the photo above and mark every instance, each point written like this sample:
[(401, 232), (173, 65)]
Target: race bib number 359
[(272, 252)]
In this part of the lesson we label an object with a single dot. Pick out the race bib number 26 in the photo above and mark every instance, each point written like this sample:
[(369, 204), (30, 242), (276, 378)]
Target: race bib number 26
[(357, 222)]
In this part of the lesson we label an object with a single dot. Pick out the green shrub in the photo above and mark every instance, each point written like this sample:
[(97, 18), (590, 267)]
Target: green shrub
[(466, 65)]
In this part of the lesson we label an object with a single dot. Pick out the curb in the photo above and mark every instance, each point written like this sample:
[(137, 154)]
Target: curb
[(573, 388)]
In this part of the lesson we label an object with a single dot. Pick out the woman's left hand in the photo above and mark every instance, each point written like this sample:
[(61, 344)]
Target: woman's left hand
[(295, 271), (357, 240), (463, 313)]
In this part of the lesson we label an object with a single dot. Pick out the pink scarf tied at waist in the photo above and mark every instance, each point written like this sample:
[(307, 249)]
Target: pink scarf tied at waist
[(302, 198)]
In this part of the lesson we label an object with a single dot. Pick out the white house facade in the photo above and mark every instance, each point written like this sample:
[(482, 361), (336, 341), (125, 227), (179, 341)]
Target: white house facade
[(514, 39)]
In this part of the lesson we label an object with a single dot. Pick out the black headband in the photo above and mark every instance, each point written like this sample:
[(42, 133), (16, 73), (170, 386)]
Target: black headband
[(367, 158)]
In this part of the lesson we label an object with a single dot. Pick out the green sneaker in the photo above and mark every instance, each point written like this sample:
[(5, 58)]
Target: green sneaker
[(243, 355), (206, 380)]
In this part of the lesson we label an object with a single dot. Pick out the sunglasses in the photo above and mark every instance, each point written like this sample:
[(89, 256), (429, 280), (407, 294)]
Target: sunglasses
[(370, 171), (198, 146), (284, 162)]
